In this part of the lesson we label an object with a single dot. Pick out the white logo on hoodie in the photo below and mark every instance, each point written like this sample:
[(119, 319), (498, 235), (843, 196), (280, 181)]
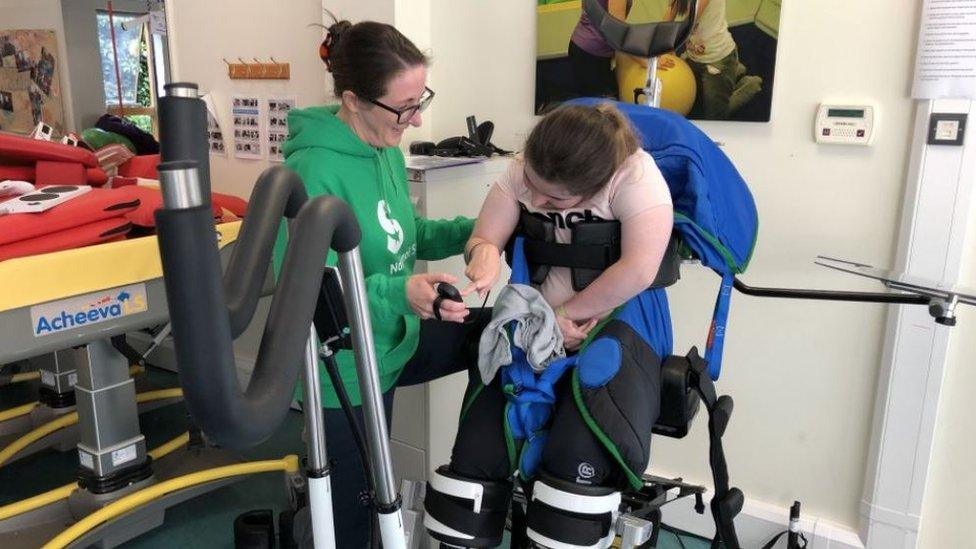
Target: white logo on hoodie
[(394, 232)]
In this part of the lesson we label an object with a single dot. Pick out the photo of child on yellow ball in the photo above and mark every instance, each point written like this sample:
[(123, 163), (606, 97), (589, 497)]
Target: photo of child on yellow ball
[(723, 70)]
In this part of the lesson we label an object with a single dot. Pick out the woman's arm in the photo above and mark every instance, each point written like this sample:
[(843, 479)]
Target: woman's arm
[(495, 225), (441, 238), (618, 9), (644, 238), (436, 238), (671, 12), (702, 4)]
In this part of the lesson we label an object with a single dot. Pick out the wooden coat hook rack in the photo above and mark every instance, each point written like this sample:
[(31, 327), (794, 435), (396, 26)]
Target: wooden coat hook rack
[(258, 70)]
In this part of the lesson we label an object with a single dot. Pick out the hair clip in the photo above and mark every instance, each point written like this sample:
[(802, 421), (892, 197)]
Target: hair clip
[(325, 51)]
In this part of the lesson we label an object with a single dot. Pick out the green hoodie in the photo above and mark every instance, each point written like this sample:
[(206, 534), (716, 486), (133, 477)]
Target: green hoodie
[(332, 160)]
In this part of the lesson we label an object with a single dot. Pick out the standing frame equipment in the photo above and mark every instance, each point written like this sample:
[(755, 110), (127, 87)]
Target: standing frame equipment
[(202, 321)]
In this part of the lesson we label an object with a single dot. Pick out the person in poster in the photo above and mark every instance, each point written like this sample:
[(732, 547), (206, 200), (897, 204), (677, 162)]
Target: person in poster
[(722, 83), (724, 71), (591, 58)]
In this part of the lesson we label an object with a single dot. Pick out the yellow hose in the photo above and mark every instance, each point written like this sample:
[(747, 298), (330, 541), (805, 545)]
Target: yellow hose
[(21, 410), (28, 376), (37, 434), (161, 394), (57, 494), (18, 411), (70, 419), (288, 464), (37, 501), (160, 451), (25, 376)]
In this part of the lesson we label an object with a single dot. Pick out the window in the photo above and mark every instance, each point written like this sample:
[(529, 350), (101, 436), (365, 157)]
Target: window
[(135, 58)]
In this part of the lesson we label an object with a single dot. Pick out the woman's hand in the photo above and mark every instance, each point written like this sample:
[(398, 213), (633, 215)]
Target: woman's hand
[(483, 268), (421, 293), (574, 333)]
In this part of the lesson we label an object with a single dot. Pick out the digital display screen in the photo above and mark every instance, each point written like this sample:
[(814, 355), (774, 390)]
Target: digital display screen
[(846, 113)]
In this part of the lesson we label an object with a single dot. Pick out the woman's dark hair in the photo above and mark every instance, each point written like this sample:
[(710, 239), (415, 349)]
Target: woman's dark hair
[(580, 147), (681, 6), (364, 57)]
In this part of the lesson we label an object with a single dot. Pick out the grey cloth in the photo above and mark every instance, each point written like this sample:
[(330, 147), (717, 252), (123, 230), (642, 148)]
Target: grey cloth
[(535, 332)]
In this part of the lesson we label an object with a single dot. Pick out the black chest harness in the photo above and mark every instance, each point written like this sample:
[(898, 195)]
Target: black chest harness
[(594, 246)]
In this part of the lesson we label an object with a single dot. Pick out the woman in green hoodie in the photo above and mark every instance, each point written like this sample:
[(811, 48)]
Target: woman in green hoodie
[(351, 151)]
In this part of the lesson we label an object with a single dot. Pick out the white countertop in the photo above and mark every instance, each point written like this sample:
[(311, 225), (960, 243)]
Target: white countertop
[(488, 167)]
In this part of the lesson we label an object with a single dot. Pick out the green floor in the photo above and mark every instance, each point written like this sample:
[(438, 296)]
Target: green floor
[(206, 521)]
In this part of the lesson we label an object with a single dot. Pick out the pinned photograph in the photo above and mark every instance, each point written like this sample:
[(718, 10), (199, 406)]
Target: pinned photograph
[(43, 72), (29, 79), (247, 114), (278, 108)]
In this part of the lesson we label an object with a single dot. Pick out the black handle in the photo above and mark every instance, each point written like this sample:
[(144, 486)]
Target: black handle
[(278, 192), (642, 39), (183, 131), (831, 295), (201, 326)]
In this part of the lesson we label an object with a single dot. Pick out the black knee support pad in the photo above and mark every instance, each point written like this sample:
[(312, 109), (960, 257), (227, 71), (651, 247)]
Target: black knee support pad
[(612, 408), (466, 513), (573, 453)]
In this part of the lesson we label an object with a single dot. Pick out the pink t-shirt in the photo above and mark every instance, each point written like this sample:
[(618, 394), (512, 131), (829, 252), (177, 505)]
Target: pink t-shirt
[(636, 187)]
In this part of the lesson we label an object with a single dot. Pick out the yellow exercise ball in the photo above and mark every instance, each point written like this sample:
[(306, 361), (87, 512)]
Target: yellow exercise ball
[(678, 87)]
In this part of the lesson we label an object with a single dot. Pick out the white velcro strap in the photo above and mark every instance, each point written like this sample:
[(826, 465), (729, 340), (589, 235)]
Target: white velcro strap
[(576, 503), (461, 489), (435, 525)]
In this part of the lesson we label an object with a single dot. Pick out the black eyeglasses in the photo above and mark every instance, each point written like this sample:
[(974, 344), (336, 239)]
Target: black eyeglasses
[(404, 115)]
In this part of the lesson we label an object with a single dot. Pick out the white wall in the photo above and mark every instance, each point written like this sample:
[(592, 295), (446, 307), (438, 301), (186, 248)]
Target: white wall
[(483, 64), (948, 504), (413, 19), (202, 34), (42, 14), (803, 374)]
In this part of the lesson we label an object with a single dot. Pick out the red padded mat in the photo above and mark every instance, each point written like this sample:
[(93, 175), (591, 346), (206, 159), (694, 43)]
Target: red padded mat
[(104, 230), (95, 205), (16, 149)]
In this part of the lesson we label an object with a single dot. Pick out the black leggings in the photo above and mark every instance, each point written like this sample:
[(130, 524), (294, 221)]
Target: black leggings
[(592, 74), (480, 450), (624, 407), (444, 348)]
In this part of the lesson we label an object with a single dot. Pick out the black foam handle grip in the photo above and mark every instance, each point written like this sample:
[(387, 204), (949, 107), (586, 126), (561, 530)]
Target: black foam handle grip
[(183, 135), (195, 296), (278, 192), (201, 327)]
